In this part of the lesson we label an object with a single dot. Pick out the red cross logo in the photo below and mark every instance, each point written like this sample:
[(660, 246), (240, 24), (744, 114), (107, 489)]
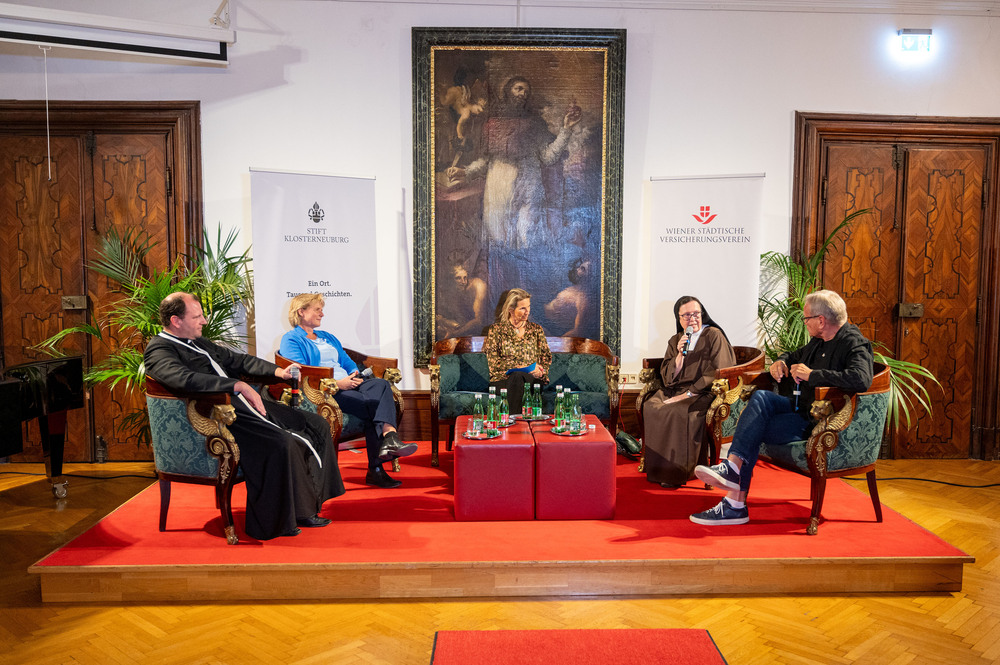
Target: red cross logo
[(704, 215)]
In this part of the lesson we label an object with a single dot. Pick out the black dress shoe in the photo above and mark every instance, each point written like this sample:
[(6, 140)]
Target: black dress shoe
[(294, 532), (392, 447), (313, 521), (379, 478), (670, 486)]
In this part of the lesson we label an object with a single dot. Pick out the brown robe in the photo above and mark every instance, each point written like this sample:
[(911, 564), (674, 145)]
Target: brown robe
[(675, 433)]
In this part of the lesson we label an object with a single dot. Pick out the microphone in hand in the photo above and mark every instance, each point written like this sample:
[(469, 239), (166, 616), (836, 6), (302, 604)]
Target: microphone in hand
[(294, 372), (687, 344)]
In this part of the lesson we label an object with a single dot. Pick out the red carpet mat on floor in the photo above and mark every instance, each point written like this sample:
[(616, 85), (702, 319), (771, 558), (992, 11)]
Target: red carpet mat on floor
[(680, 646), (415, 523)]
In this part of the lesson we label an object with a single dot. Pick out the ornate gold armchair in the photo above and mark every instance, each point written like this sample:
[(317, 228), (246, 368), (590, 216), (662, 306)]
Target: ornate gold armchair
[(719, 414), (319, 390), (191, 444), (846, 439)]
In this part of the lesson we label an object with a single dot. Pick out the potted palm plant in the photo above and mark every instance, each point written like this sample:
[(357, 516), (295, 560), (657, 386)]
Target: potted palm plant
[(786, 282), (222, 281)]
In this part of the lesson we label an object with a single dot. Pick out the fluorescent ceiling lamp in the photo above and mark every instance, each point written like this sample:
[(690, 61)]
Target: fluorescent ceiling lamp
[(913, 40), (55, 27)]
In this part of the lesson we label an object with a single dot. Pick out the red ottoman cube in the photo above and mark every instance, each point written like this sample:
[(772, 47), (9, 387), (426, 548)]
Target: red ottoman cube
[(575, 476), (495, 479)]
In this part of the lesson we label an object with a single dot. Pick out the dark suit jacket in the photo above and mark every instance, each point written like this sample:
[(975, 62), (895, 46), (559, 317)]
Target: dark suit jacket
[(180, 368)]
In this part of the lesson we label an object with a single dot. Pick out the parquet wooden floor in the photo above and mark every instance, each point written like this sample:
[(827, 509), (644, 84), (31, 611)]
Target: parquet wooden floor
[(952, 628)]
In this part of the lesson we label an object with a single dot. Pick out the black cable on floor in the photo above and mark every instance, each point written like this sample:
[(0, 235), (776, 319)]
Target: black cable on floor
[(927, 480)]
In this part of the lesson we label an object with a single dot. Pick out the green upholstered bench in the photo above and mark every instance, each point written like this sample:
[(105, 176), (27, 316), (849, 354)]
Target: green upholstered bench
[(459, 370)]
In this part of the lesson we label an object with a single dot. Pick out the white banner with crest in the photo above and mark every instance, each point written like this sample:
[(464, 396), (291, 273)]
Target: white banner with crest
[(705, 241), (314, 233)]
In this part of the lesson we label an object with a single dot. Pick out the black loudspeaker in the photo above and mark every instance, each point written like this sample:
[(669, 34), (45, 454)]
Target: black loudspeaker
[(10, 418)]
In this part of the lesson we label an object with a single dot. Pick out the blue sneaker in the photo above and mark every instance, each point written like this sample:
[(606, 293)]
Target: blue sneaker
[(722, 513), (721, 475)]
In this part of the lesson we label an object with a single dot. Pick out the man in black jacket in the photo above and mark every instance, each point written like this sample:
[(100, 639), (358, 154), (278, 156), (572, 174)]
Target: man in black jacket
[(837, 356), (287, 455)]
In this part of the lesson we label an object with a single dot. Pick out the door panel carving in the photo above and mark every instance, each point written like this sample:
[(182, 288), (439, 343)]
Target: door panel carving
[(864, 266), (129, 175), (40, 260), (943, 235)]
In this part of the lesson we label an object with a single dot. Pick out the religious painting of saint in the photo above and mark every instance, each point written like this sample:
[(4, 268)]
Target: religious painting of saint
[(517, 170)]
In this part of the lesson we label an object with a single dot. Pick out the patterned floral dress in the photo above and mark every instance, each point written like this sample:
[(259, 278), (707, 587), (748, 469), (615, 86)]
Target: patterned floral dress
[(505, 350)]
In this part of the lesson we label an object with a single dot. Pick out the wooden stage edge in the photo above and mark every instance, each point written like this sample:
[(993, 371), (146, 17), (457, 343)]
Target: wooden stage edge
[(229, 582)]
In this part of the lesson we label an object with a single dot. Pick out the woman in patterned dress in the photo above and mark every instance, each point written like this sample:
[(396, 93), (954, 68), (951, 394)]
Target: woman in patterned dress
[(515, 347)]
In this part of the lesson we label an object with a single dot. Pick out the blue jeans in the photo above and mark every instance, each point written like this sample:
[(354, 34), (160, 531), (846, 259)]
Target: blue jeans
[(768, 418)]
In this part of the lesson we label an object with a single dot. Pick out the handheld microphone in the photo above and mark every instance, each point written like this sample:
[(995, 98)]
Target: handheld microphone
[(366, 374), (293, 381), (687, 344)]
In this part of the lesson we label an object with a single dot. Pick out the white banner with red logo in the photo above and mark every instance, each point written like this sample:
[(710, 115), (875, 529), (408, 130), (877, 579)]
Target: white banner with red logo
[(705, 241), (314, 234)]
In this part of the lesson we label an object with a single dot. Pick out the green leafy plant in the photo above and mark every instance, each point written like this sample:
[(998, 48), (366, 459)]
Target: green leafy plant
[(785, 283), (122, 326)]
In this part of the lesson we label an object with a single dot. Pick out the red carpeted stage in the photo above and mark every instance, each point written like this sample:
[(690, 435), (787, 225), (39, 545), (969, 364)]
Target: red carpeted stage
[(405, 542)]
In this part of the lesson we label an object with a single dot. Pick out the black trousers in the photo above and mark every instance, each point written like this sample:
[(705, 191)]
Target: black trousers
[(285, 481), (373, 403)]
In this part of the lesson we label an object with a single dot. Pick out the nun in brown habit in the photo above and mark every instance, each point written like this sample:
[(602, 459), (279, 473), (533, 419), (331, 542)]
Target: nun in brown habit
[(674, 416)]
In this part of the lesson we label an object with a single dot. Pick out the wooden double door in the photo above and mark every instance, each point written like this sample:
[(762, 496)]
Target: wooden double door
[(919, 273), (98, 167)]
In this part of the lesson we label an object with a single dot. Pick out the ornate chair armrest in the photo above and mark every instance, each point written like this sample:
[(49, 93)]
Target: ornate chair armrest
[(435, 374), (649, 377), (722, 405), (832, 420), (611, 373)]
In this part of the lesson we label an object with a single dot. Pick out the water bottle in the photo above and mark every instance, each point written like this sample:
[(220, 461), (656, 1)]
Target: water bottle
[(567, 404), (504, 408), (526, 401), (575, 417), (477, 415), (558, 415), (294, 373), (536, 407), (490, 422)]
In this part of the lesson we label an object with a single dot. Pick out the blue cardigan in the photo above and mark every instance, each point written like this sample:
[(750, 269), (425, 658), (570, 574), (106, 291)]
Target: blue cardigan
[(298, 348)]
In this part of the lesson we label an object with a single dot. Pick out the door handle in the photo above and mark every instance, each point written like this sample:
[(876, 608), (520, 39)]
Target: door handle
[(74, 302)]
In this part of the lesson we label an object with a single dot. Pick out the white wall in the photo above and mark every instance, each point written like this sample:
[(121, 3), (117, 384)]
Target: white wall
[(324, 86)]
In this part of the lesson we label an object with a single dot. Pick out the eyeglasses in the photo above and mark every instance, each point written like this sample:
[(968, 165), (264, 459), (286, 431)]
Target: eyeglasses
[(814, 316), (692, 315)]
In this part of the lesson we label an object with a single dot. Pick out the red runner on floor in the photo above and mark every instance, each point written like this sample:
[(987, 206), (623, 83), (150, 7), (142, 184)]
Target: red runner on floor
[(416, 523), (679, 646)]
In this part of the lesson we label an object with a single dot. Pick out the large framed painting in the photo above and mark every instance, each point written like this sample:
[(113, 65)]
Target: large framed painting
[(518, 137)]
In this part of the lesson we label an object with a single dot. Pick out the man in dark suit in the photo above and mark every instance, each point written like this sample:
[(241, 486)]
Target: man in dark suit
[(287, 455)]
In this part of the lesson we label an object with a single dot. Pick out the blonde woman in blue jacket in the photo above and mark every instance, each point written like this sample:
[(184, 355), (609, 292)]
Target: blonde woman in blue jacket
[(368, 399)]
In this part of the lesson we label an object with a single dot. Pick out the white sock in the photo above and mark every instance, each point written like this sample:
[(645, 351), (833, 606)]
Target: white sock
[(734, 503), (732, 466)]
